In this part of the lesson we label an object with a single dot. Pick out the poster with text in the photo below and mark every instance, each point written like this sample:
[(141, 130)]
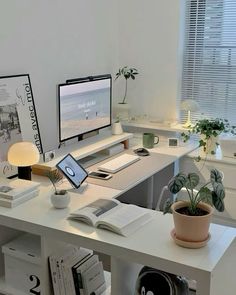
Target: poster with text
[(18, 120)]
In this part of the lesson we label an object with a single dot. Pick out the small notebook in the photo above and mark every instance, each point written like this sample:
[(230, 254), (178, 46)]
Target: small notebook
[(119, 163)]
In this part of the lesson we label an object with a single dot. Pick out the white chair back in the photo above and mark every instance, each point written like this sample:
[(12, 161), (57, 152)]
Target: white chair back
[(165, 194)]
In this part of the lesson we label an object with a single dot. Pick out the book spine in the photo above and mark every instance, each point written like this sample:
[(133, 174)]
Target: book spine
[(74, 260), (13, 203), (60, 278), (100, 289), (52, 263), (80, 282), (26, 190), (93, 278), (65, 279), (76, 282)]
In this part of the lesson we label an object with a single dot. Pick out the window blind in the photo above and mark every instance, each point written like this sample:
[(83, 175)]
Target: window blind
[(209, 63)]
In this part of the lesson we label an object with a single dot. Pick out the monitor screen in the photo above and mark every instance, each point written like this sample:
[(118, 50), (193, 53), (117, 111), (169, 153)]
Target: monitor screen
[(84, 106)]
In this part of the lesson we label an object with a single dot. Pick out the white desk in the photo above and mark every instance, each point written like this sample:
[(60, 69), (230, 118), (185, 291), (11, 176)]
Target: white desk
[(151, 245), (212, 266)]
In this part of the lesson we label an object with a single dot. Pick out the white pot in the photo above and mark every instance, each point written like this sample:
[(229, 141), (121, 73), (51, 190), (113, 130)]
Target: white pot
[(211, 144), (117, 128), (60, 201), (122, 111)]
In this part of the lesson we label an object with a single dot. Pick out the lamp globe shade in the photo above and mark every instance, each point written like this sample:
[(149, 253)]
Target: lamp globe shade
[(189, 105), (23, 154)]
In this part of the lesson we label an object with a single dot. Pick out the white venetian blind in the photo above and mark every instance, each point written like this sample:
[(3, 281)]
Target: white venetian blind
[(209, 64)]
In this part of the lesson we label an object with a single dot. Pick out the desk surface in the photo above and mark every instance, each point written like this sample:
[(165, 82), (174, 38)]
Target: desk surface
[(135, 173), (151, 245)]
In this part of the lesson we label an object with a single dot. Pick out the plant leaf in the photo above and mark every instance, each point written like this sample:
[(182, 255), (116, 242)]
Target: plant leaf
[(205, 195), (219, 190), (218, 202), (167, 206), (215, 176), (192, 180), (177, 182)]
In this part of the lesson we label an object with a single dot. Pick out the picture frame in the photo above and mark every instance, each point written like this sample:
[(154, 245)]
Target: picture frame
[(18, 119), (173, 142)]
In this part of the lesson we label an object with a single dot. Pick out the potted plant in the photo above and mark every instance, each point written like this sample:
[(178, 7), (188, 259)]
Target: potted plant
[(192, 217), (209, 131), (123, 108), (127, 73), (116, 127), (60, 197)]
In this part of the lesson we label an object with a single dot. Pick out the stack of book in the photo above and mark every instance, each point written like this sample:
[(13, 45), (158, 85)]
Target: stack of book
[(76, 271), (17, 191)]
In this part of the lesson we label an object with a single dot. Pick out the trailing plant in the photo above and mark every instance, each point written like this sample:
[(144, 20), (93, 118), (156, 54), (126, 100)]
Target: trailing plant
[(55, 176), (209, 128), (127, 73), (212, 192)]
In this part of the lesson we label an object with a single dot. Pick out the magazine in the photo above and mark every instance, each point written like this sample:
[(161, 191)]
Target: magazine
[(113, 215), (13, 189)]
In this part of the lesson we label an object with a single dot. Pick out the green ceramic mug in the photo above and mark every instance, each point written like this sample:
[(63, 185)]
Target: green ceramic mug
[(149, 140)]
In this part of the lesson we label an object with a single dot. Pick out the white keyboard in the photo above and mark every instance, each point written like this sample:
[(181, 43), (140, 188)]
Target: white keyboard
[(119, 163)]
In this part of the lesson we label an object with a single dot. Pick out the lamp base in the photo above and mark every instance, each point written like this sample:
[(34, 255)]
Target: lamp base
[(188, 123), (24, 172)]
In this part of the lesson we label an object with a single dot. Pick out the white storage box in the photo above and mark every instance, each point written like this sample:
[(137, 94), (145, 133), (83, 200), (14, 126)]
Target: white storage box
[(22, 263)]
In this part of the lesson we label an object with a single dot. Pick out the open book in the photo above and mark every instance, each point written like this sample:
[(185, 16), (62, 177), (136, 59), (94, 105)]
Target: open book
[(112, 215)]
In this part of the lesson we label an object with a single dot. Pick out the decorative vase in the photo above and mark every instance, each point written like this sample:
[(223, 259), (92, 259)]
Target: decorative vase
[(116, 128), (191, 228), (122, 111), (60, 201)]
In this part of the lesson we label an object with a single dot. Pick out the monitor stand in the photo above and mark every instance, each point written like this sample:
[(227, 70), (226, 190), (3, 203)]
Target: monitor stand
[(87, 135)]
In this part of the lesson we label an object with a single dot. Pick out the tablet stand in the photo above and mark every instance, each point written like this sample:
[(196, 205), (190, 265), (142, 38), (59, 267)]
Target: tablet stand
[(80, 189)]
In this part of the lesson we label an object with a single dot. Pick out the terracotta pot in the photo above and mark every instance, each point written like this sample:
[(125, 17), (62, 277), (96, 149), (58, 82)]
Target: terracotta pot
[(191, 228)]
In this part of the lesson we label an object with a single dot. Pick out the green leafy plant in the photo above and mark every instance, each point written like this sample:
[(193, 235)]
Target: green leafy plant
[(209, 128), (55, 176), (127, 73), (212, 192)]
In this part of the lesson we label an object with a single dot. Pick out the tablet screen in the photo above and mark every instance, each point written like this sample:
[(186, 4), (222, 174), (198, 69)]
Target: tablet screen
[(72, 170)]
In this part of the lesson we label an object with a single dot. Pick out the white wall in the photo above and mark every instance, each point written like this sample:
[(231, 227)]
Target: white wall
[(149, 34), (53, 40)]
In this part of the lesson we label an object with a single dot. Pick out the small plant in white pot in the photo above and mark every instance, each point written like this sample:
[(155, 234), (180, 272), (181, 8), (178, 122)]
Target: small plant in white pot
[(192, 217), (209, 131), (127, 73), (60, 198), (123, 108)]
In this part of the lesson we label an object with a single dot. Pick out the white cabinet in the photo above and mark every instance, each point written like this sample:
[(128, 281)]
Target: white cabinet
[(188, 164)]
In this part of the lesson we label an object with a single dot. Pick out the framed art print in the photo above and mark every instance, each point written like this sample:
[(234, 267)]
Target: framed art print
[(18, 120)]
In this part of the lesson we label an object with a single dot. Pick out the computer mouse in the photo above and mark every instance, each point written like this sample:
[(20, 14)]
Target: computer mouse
[(142, 152)]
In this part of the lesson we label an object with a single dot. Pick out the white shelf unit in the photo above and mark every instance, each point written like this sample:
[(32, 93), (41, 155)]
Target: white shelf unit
[(212, 266), (154, 125), (7, 290), (48, 247)]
